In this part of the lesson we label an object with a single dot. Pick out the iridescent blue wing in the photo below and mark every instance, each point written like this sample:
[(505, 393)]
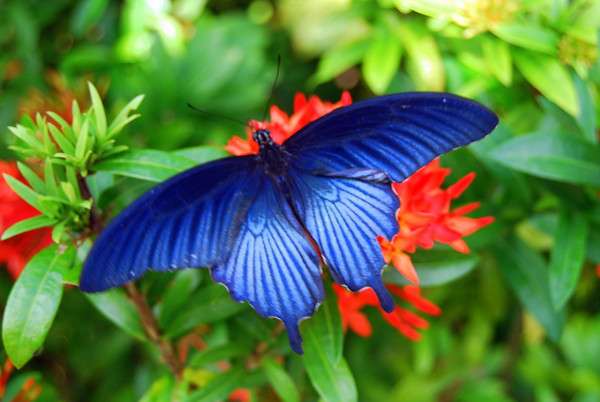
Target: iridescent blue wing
[(272, 264), (189, 220), (395, 134), (344, 214), (342, 163), (226, 215)]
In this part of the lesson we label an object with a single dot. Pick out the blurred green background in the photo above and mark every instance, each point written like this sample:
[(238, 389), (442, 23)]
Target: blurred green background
[(504, 334)]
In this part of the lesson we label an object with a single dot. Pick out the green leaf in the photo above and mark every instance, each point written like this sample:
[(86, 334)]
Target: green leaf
[(550, 77), (27, 136), (65, 145), (82, 138), (99, 113), (145, 164), (217, 354), (219, 387), (527, 274), (33, 302), (177, 295), (436, 267), (26, 225), (586, 119), (202, 154), (86, 14), (498, 59), (425, 65), (381, 61), (161, 390), (551, 155), (528, 36), (26, 193), (325, 365), (208, 305), (115, 306), (280, 381), (36, 183), (338, 60), (124, 117), (567, 256)]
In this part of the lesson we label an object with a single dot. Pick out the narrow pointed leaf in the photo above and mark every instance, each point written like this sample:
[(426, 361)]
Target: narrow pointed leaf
[(36, 183), (99, 113), (123, 118), (528, 36), (280, 381), (115, 306), (381, 61), (527, 274), (26, 193), (550, 77), (567, 256), (26, 225), (498, 59), (338, 60), (177, 295)]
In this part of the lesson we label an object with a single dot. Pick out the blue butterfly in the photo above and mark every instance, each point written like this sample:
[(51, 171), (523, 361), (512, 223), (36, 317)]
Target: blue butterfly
[(266, 224)]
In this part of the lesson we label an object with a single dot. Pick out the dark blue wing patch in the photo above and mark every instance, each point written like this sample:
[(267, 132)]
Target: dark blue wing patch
[(187, 221), (272, 264), (344, 216), (395, 134)]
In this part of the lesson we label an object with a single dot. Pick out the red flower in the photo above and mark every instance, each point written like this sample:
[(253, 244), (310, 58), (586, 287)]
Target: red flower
[(283, 126), (425, 217), (240, 395), (16, 252), (405, 321)]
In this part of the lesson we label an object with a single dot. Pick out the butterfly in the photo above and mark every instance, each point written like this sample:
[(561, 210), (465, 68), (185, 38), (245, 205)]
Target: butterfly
[(267, 224)]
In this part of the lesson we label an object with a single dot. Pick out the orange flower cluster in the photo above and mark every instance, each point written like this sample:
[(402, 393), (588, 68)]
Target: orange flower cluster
[(283, 126), (425, 217), (16, 251), (405, 321)]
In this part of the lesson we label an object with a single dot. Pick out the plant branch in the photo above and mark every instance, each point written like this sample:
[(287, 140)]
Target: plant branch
[(167, 351)]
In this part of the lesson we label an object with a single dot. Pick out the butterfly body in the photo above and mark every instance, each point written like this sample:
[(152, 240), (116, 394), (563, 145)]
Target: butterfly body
[(264, 224), (272, 156)]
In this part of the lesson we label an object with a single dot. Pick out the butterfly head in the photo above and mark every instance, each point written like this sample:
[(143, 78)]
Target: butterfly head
[(262, 137)]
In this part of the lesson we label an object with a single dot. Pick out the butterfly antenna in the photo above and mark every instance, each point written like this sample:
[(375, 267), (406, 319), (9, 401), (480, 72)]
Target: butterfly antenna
[(272, 87), (217, 115)]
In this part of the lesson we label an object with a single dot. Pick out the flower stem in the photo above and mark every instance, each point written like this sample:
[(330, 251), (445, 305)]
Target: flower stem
[(150, 325)]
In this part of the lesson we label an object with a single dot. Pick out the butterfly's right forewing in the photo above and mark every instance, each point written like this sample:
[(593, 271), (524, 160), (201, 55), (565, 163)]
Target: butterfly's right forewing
[(190, 220)]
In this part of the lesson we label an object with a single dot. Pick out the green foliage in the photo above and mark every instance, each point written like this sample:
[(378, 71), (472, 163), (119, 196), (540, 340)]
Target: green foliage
[(33, 303), (520, 310)]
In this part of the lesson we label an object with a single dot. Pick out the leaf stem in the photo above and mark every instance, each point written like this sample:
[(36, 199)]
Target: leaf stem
[(150, 325)]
